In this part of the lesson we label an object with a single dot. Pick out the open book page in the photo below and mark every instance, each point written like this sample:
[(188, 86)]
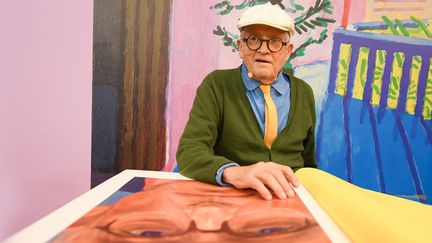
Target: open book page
[(159, 206), (365, 215)]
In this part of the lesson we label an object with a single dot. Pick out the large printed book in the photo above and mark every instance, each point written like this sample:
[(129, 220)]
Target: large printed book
[(150, 206)]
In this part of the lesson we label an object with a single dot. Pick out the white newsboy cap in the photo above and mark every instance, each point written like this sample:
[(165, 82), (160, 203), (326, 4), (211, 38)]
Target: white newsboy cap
[(267, 14)]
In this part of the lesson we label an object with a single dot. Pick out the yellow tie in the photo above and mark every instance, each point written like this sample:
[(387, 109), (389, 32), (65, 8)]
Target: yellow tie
[(271, 120)]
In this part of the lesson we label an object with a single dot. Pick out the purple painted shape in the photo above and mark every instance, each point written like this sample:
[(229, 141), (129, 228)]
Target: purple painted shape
[(346, 101), (421, 86), (393, 43), (427, 129), (377, 148), (367, 94), (352, 69), (404, 83), (385, 84), (408, 152), (390, 43), (382, 25), (334, 63)]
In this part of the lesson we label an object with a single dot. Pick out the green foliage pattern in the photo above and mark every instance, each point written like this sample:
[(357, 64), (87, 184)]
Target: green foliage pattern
[(306, 21)]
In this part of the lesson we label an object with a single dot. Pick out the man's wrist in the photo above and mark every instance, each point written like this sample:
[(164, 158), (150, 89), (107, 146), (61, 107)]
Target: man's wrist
[(220, 171)]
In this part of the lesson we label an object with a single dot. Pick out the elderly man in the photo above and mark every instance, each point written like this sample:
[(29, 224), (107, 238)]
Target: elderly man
[(252, 126)]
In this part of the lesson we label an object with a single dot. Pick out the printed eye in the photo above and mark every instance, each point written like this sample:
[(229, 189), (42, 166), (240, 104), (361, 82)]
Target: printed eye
[(151, 232), (146, 228), (146, 233), (276, 230), (259, 224)]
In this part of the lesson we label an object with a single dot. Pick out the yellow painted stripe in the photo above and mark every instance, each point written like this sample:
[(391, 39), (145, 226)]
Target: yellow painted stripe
[(427, 105), (343, 64), (395, 78), (413, 85), (360, 73), (377, 76)]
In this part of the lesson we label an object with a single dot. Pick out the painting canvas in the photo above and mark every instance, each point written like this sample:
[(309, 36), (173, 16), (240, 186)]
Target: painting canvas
[(368, 63), (147, 209)]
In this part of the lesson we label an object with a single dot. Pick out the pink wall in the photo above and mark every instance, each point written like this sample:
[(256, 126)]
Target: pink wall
[(45, 107), (193, 53)]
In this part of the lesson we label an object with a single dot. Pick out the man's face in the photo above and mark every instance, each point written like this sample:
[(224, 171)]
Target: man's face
[(263, 63), (190, 211)]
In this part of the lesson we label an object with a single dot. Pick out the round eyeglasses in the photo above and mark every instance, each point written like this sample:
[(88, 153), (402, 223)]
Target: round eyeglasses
[(274, 44)]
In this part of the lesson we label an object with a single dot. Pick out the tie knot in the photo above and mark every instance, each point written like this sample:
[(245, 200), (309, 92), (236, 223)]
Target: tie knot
[(265, 88)]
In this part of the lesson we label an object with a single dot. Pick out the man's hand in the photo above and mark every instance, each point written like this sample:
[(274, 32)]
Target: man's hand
[(263, 177)]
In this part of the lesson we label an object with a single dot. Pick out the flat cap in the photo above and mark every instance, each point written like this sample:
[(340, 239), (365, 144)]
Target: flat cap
[(267, 14)]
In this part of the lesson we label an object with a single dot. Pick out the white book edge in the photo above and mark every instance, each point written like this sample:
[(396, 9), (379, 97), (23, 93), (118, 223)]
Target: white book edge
[(334, 233)]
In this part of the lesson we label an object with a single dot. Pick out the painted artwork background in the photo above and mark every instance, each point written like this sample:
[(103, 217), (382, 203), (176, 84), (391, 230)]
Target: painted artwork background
[(194, 54), (194, 51)]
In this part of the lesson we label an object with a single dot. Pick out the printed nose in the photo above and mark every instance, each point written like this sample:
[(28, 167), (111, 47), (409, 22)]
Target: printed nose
[(209, 218)]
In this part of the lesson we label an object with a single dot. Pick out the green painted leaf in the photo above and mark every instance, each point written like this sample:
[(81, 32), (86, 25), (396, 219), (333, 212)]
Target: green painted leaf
[(344, 64), (329, 11), (422, 27), (309, 25), (298, 7), (401, 27), (303, 28), (363, 71), (376, 89), (298, 18), (390, 25), (399, 59), (395, 83), (325, 20), (381, 56)]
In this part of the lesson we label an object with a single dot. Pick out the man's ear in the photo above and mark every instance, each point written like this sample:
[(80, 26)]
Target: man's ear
[(289, 50), (240, 46)]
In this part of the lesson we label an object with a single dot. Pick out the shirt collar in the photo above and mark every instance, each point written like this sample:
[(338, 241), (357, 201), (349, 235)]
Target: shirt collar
[(281, 84)]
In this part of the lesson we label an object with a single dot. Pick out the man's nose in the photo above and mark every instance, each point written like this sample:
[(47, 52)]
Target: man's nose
[(208, 218)]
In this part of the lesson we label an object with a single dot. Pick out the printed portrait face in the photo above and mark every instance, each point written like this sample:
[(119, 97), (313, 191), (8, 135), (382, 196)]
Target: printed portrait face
[(191, 211)]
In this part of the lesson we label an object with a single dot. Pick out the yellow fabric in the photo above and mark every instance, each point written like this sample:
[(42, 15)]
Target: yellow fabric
[(368, 216), (271, 120)]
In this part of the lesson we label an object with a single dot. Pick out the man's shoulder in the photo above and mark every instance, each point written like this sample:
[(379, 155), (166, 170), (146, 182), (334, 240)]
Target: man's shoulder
[(231, 72), (299, 83), (222, 77)]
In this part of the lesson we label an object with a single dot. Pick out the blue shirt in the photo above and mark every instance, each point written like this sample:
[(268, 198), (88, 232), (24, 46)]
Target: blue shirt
[(280, 93)]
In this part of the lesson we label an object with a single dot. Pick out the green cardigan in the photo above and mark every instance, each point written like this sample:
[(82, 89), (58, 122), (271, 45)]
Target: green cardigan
[(222, 128)]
